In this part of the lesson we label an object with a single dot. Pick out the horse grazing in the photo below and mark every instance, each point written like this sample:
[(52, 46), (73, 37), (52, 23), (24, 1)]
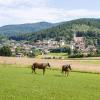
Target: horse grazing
[(66, 68), (39, 66)]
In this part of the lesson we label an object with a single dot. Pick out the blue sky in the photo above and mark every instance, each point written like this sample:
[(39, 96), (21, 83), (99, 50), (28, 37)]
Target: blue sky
[(77, 4), (30, 11)]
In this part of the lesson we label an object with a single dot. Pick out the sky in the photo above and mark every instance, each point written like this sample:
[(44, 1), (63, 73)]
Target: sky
[(31, 11)]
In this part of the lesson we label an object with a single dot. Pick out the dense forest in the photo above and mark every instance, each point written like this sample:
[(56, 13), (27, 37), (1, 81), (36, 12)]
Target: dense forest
[(86, 27)]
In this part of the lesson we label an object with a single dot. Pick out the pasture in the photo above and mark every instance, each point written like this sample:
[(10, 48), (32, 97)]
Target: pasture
[(86, 65), (54, 55), (20, 84)]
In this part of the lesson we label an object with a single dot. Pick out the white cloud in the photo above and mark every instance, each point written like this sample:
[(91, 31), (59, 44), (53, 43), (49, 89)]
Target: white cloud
[(29, 11), (22, 3)]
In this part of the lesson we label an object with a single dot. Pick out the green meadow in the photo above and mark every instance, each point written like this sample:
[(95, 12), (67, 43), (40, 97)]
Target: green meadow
[(20, 84)]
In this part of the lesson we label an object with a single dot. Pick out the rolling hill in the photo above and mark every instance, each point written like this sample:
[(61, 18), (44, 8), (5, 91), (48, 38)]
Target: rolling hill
[(11, 30)]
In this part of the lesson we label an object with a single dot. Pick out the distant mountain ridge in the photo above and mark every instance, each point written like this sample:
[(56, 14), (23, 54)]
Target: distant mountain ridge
[(10, 30)]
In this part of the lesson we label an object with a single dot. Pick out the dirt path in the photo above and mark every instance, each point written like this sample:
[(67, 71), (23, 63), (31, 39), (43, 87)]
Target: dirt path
[(77, 65)]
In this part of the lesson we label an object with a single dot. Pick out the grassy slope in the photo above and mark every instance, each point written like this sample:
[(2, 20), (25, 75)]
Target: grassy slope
[(20, 84)]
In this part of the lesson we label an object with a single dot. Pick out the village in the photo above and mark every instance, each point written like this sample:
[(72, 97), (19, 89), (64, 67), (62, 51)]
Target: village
[(19, 49), (23, 48)]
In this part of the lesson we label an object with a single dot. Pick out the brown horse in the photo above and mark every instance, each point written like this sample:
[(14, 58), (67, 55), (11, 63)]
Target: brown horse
[(39, 66), (66, 68)]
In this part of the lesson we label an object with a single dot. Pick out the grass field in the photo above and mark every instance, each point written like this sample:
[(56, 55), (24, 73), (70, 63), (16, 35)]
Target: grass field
[(58, 54), (63, 55), (88, 61), (20, 84), (77, 65)]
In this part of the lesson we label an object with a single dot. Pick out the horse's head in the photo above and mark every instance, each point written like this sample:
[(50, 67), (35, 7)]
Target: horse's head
[(69, 66), (48, 64)]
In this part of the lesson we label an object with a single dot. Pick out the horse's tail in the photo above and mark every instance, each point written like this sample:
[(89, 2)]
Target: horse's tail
[(62, 70), (32, 67)]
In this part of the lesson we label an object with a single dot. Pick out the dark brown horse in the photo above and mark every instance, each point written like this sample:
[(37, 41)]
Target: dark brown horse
[(66, 69), (39, 66)]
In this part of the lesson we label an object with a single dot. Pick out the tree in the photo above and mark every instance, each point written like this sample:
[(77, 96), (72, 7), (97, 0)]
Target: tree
[(34, 53), (5, 51)]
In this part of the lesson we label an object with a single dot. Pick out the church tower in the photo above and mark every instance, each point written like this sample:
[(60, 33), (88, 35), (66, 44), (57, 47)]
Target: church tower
[(74, 36)]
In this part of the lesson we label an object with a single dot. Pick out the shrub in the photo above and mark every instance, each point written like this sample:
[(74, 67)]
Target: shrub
[(76, 56), (5, 51), (62, 49)]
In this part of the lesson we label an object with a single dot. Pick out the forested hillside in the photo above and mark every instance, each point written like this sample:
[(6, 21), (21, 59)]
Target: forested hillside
[(89, 28)]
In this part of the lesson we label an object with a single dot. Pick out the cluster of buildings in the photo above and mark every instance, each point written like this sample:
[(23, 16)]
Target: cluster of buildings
[(79, 44), (19, 49), (44, 46), (49, 44)]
